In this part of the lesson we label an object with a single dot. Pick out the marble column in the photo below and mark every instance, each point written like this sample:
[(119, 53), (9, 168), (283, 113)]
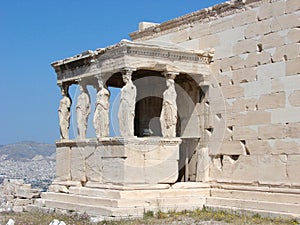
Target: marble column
[(82, 111), (168, 116), (64, 112), (126, 111), (101, 114)]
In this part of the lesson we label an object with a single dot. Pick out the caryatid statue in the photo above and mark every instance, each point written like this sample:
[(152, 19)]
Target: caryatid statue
[(168, 116), (82, 111), (64, 113), (127, 106), (101, 114)]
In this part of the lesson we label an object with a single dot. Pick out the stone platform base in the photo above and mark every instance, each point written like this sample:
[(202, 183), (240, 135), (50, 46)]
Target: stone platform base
[(111, 201), (115, 202), (264, 200)]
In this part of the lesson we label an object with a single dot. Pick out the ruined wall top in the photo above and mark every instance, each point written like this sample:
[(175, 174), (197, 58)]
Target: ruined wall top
[(202, 16)]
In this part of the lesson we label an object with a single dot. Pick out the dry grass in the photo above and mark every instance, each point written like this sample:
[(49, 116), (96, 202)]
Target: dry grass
[(151, 218), (37, 218)]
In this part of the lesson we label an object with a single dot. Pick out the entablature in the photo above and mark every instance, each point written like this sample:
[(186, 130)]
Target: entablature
[(126, 54)]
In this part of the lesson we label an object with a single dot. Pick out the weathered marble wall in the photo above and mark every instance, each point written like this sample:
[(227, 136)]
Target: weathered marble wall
[(116, 161), (253, 131)]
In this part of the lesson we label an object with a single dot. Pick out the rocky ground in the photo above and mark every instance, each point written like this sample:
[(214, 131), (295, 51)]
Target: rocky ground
[(16, 196), (198, 217)]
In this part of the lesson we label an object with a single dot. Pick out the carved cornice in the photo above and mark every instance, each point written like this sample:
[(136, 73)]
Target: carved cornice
[(135, 49), (96, 142), (91, 62)]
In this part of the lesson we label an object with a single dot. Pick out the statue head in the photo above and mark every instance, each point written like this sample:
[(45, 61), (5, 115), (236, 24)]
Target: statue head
[(81, 88), (126, 78), (170, 82), (64, 90)]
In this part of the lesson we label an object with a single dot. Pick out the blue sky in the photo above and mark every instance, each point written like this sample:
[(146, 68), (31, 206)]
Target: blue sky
[(35, 33)]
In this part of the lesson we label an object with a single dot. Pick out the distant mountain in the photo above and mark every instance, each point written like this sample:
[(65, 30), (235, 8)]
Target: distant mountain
[(27, 150)]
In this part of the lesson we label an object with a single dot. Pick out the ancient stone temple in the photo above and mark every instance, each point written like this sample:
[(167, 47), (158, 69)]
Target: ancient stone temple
[(208, 114)]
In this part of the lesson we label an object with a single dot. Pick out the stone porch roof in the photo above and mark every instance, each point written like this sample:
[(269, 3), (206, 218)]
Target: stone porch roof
[(126, 54)]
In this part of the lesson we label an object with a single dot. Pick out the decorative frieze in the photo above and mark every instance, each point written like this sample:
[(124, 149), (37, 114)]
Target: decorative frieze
[(125, 53)]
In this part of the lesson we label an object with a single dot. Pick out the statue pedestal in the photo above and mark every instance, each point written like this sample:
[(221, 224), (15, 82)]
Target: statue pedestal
[(120, 161)]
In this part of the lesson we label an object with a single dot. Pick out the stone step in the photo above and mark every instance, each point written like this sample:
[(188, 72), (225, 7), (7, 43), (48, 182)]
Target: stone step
[(254, 188), (134, 194), (109, 212), (254, 205), (91, 210), (168, 193), (70, 198), (139, 201), (251, 212), (102, 193), (257, 196)]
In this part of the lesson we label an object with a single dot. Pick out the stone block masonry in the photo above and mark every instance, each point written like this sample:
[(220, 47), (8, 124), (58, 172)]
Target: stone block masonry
[(254, 90)]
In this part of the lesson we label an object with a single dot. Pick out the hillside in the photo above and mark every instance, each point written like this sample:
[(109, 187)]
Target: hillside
[(26, 150)]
